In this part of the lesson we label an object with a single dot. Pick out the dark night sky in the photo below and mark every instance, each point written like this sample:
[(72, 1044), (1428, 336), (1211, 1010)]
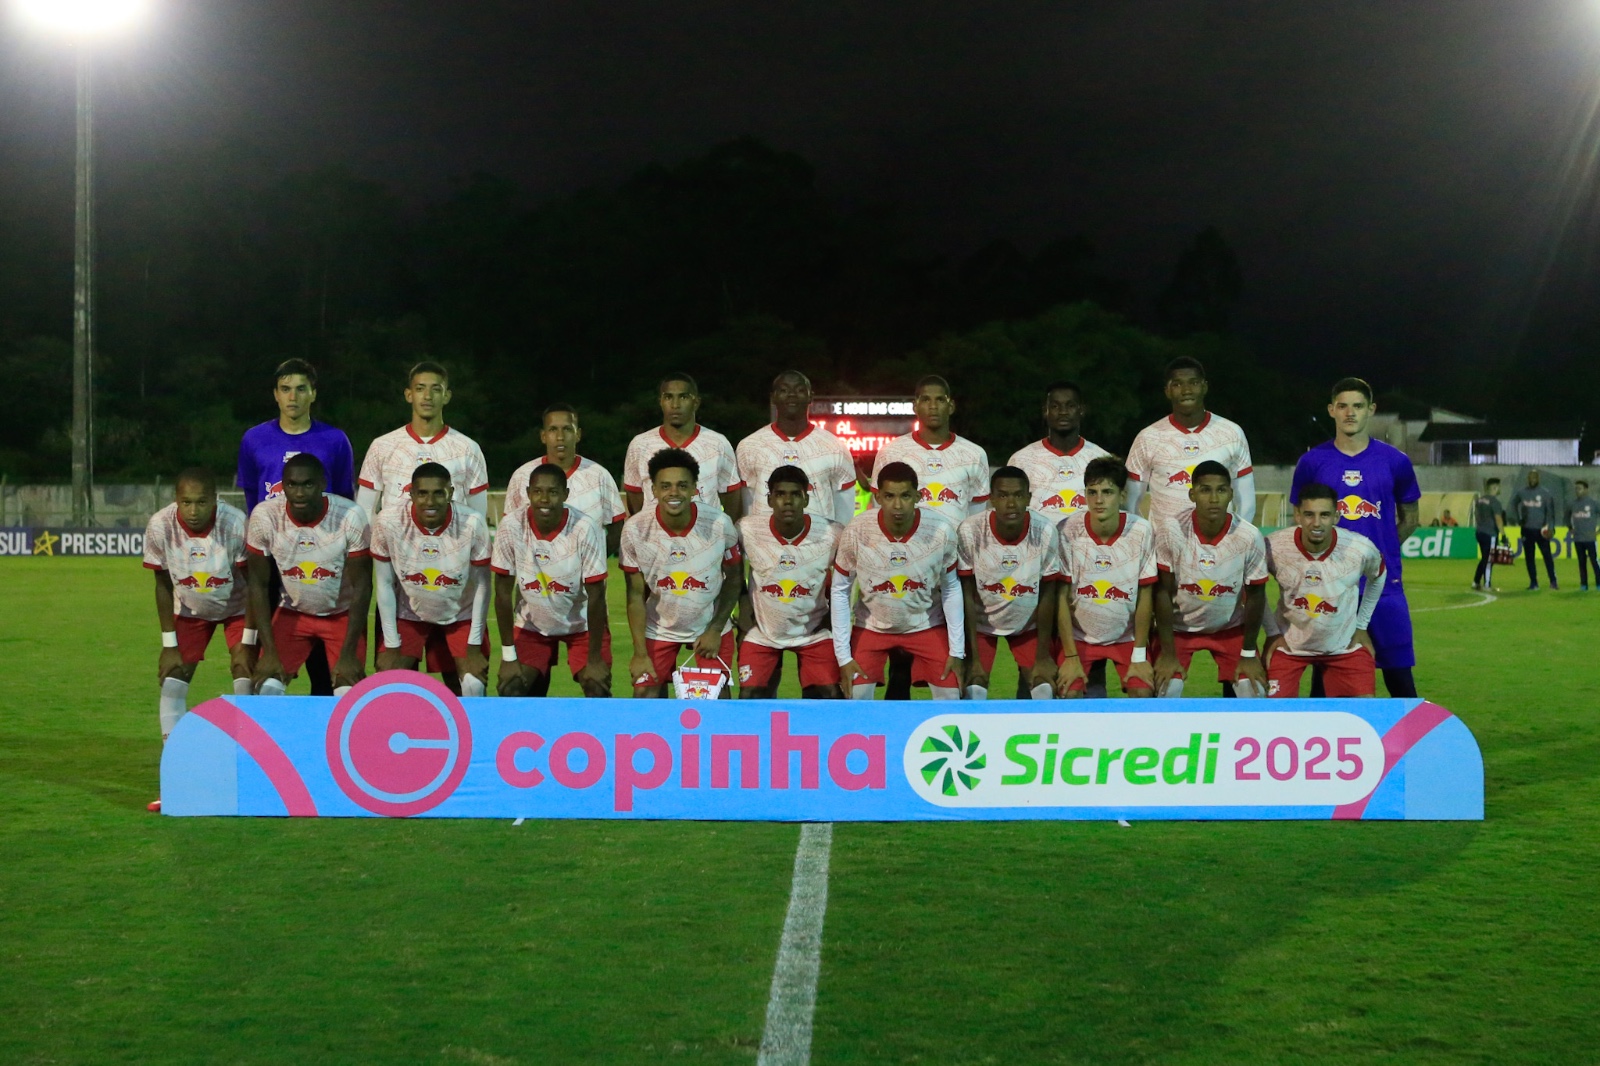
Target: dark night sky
[(1395, 176)]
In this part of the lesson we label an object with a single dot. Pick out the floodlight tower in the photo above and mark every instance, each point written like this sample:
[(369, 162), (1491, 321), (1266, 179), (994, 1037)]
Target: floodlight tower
[(83, 22)]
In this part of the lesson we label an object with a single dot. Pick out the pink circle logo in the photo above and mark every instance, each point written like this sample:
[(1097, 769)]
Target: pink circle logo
[(399, 743)]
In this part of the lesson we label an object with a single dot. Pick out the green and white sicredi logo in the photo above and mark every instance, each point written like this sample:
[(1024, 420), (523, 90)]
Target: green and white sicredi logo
[(953, 760)]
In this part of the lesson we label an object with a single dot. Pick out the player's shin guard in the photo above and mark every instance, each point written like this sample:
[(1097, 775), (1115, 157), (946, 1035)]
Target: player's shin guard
[(1173, 690), (1042, 691), (174, 703), (242, 686), (944, 692), (472, 685), (977, 692), (272, 687)]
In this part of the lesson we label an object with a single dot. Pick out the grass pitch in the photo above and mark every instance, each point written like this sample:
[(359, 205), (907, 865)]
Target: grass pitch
[(125, 937)]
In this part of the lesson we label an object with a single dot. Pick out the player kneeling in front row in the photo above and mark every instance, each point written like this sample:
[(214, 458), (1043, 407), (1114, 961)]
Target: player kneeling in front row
[(320, 545), (904, 563), (1212, 589), (684, 576), (1009, 560), (790, 554), (1323, 616), (430, 575), (550, 573), (1108, 570)]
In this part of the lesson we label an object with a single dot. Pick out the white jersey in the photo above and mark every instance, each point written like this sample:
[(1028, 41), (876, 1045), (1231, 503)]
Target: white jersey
[(1164, 455), (824, 457), (1055, 477), (789, 580), (951, 478), (1320, 607), (719, 471), (1211, 575), (1010, 575), (203, 563), (591, 491), (432, 570), (392, 458), (899, 577), (552, 572), (1106, 576), (682, 571), (311, 558)]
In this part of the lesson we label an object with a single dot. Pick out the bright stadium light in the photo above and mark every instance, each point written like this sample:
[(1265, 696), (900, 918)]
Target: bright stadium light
[(82, 18)]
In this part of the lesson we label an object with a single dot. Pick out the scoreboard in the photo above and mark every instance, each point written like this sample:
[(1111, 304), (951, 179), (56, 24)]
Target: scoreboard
[(864, 423)]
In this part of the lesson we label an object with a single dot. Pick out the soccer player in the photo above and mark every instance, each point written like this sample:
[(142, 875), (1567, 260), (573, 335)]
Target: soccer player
[(1008, 560), (903, 560), (1379, 502), (1108, 562), (195, 546), (430, 577), (1165, 453), (1323, 614), (550, 566), (685, 573), (1535, 508), (1489, 520), (591, 490), (952, 472), (793, 441), (320, 544), (718, 485), (1055, 464), (1581, 516), (386, 471), (790, 553), (1212, 589)]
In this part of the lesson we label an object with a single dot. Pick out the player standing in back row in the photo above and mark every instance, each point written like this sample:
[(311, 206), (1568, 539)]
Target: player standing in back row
[(591, 490), (1055, 464), (1165, 453), (1379, 501), (386, 471), (791, 440), (717, 484), (952, 472)]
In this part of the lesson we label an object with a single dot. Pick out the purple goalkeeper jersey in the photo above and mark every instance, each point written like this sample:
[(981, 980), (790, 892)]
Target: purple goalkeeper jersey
[(1368, 489), (265, 448)]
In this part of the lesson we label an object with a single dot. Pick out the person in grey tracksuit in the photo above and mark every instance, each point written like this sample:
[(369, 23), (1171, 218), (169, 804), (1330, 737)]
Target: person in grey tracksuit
[(1582, 516), (1535, 510)]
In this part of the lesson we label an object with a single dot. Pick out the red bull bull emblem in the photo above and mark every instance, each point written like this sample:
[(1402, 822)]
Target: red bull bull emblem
[(308, 573), (1314, 605), (897, 586), (678, 582), (1207, 590), (1008, 588), (432, 580), (1181, 477), (786, 591), (1354, 508), (1103, 592), (202, 582)]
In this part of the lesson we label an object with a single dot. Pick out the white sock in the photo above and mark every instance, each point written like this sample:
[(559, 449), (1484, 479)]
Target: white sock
[(1041, 691), (471, 686), (340, 690), (1173, 690), (977, 692), (272, 687), (242, 686), (862, 692), (940, 692), (174, 703), (1245, 689)]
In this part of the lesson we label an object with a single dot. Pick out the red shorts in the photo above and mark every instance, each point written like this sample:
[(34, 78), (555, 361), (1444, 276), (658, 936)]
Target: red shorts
[(194, 634), (294, 633), (1350, 673), (929, 648), (1121, 655), (1224, 647), (1024, 649), (664, 658), (435, 641), (540, 653), (757, 662)]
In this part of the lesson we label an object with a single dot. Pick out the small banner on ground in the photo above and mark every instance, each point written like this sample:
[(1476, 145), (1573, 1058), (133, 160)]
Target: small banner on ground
[(55, 540), (401, 745)]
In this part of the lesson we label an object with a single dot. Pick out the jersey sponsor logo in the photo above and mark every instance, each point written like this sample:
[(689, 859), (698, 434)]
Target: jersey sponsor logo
[(1312, 604), (1103, 592), (545, 585), (1009, 588), (1207, 590), (1352, 478), (787, 591), (898, 586), (1182, 477), (308, 573), (1064, 503), (1353, 508), (431, 580), (200, 581), (274, 489), (936, 495), (679, 582)]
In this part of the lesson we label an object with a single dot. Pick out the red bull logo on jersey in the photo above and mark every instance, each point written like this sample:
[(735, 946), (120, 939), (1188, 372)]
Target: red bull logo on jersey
[(274, 490), (679, 582), (1354, 508), (1352, 478), (1064, 503), (936, 495), (1103, 592), (1207, 590), (1183, 477), (787, 591), (544, 585), (202, 582), (897, 586), (1009, 588), (1314, 605), (432, 580), (308, 573)]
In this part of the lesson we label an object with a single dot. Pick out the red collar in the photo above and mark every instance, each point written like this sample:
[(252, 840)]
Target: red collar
[(916, 435), (1227, 524), (1179, 426), (306, 525), (1053, 450), (994, 527), (209, 525), (1122, 524), (1333, 542), (577, 461), (694, 516), (772, 524), (449, 513), (916, 521), (663, 431), (566, 513), (802, 435), (436, 438)]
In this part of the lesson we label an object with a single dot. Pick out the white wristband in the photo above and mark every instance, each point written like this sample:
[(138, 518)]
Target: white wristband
[(508, 653), (1138, 655), (250, 637), (169, 639), (1247, 653)]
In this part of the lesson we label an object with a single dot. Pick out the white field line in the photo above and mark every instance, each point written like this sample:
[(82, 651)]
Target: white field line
[(1484, 601), (793, 1000)]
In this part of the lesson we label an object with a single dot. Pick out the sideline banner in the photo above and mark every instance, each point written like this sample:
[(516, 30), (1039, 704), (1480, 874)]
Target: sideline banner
[(400, 745), (56, 540)]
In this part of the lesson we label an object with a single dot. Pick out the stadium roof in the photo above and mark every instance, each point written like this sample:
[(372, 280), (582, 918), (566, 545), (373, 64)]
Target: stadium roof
[(1440, 432)]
